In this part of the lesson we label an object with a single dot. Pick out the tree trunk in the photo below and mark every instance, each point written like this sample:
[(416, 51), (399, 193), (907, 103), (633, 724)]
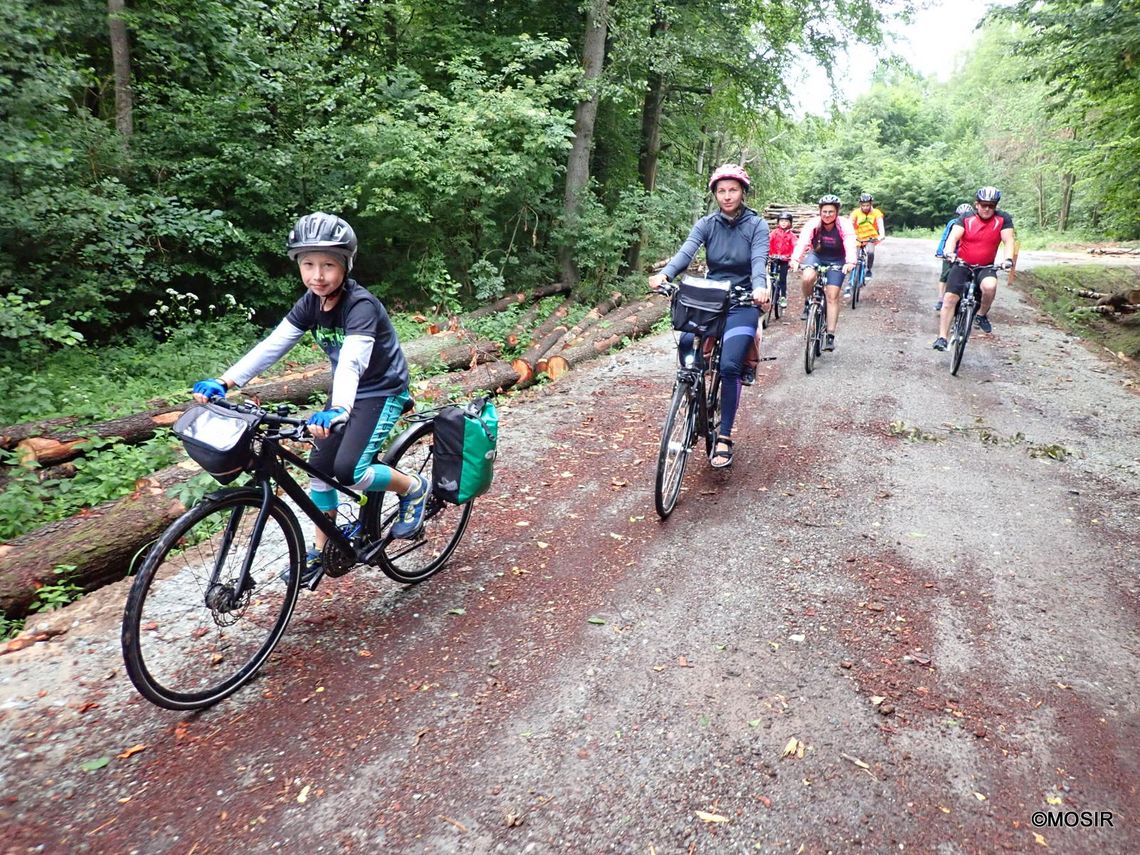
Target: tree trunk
[(515, 299), (492, 377), (100, 543), (121, 62), (649, 147), (589, 319), (585, 113), (633, 326), (524, 364), (1067, 180)]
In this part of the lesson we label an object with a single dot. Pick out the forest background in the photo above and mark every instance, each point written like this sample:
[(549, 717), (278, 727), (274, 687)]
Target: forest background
[(156, 152)]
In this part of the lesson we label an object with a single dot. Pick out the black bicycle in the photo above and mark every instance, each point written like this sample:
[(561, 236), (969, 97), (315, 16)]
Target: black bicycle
[(815, 328), (965, 312), (694, 409), (215, 592), (776, 291)]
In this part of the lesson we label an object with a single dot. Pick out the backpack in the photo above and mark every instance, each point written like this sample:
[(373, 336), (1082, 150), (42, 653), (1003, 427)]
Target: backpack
[(463, 460)]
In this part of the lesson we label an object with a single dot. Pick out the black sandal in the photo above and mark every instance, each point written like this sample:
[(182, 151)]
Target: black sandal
[(724, 456)]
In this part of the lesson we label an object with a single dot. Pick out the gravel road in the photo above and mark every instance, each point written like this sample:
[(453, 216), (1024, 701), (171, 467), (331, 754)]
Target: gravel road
[(905, 620)]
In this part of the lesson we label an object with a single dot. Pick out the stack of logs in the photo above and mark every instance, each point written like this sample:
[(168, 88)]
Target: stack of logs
[(103, 542)]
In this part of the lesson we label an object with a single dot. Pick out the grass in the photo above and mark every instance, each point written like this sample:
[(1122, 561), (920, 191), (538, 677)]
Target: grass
[(1046, 287)]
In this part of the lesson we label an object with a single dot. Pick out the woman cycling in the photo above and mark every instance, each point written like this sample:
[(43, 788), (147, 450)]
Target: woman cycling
[(369, 374), (735, 239), (832, 242)]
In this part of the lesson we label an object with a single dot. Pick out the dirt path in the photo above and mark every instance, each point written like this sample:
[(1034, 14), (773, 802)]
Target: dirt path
[(896, 573)]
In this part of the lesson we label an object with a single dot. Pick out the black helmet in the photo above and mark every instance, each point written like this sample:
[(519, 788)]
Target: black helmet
[(963, 209), (784, 215), (988, 194), (829, 199), (866, 197), (321, 232)]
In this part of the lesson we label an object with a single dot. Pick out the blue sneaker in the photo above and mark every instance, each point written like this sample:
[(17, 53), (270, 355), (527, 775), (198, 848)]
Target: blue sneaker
[(309, 571), (410, 517), (984, 324)]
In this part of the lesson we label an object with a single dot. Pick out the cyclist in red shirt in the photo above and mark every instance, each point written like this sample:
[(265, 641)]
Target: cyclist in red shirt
[(975, 240), (780, 245)]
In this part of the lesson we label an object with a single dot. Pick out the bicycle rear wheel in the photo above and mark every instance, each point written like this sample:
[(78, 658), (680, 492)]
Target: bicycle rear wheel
[(676, 443), (712, 406), (963, 324), (192, 634), (414, 560), (811, 337)]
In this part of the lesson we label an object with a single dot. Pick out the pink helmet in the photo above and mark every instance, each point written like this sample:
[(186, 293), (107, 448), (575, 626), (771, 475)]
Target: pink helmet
[(733, 171)]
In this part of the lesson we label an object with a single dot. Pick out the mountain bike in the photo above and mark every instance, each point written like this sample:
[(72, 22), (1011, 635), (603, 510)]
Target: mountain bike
[(859, 274), (816, 325), (965, 312), (215, 592)]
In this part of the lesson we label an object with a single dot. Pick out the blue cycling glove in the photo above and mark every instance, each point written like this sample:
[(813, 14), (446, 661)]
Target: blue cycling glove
[(210, 389), (328, 419)]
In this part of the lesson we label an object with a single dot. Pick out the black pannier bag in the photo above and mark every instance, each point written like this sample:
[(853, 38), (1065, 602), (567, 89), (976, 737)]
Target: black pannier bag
[(700, 306), (218, 439)]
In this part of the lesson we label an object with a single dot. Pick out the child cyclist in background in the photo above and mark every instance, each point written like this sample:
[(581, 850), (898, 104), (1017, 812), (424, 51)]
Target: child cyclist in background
[(369, 375), (780, 245)]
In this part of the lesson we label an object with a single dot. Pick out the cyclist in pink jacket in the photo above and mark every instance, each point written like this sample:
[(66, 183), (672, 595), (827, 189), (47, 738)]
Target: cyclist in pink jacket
[(826, 240)]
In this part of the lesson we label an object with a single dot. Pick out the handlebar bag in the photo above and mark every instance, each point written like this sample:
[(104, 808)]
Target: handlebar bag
[(463, 460), (700, 306), (218, 439)]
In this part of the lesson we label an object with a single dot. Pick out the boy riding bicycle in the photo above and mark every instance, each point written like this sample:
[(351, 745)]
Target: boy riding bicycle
[(370, 375)]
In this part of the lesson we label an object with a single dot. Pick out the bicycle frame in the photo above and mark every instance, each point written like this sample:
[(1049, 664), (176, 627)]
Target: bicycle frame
[(694, 376)]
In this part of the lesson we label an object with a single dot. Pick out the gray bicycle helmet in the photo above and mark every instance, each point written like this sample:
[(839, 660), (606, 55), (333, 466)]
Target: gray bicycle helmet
[(829, 199), (321, 232), (866, 197), (963, 209), (988, 194)]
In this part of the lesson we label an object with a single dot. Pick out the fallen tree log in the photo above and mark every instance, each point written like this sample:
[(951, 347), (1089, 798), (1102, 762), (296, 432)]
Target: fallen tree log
[(541, 340), (590, 318), (613, 317), (524, 323), (632, 326), (516, 299), (51, 447), (491, 377), (100, 543)]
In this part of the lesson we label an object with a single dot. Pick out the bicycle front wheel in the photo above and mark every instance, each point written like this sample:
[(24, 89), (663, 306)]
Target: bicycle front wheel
[(676, 443), (811, 337), (414, 560), (856, 285), (963, 323), (197, 626)]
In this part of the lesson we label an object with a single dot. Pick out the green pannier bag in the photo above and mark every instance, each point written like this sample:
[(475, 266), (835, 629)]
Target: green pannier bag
[(463, 461)]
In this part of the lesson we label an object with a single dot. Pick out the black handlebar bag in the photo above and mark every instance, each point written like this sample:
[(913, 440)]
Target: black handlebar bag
[(218, 439), (700, 306)]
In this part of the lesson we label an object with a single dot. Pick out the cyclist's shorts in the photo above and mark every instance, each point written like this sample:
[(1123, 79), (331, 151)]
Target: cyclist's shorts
[(959, 276), (835, 275), (945, 271)]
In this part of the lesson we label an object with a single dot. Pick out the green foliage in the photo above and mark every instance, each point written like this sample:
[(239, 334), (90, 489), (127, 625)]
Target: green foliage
[(133, 370), (1049, 288), (56, 595), (108, 473)]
